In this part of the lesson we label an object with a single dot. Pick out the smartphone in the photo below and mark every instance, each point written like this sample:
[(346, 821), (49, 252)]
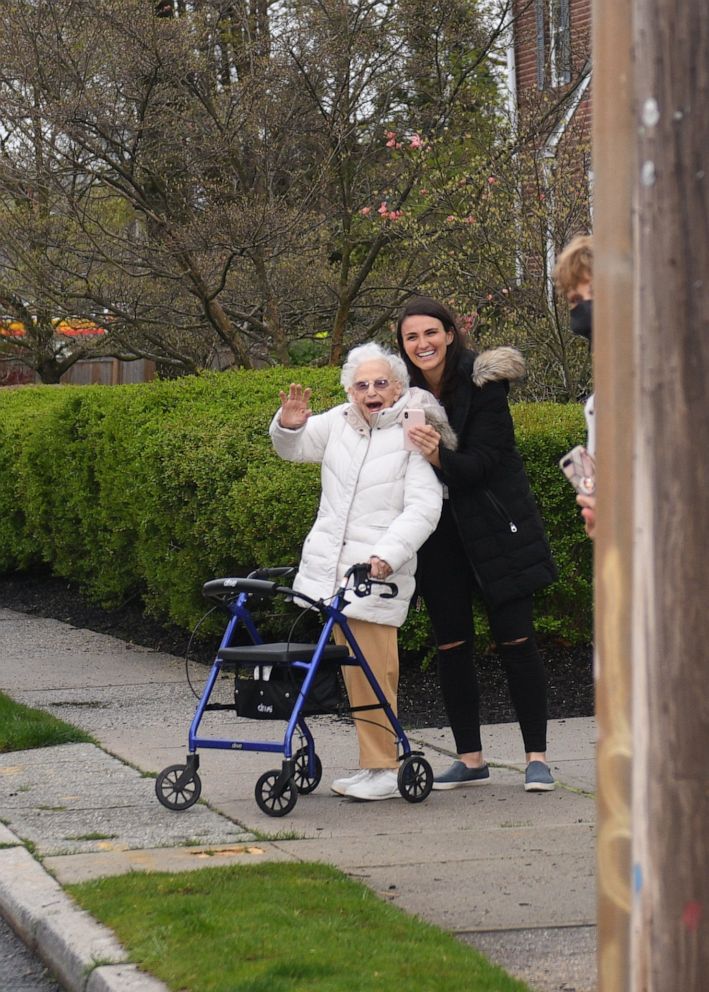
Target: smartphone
[(580, 469), (412, 418)]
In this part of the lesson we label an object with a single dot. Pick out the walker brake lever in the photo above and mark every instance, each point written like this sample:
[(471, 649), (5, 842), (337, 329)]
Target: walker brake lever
[(362, 583)]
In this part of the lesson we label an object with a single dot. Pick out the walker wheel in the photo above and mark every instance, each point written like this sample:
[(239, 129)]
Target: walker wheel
[(303, 782), (415, 779), (272, 802), (178, 788)]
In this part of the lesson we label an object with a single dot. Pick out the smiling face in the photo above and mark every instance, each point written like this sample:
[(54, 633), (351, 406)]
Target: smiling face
[(376, 396), (425, 341)]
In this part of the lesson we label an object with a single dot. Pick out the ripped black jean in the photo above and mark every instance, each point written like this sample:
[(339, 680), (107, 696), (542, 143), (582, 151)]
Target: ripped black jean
[(447, 584)]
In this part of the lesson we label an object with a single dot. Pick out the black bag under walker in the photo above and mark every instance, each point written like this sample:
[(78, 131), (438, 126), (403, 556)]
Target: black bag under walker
[(273, 697)]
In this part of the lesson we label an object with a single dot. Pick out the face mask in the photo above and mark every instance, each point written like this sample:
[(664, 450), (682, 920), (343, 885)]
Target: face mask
[(582, 319)]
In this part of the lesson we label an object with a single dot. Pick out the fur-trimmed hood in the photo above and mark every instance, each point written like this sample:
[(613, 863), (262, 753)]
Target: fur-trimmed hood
[(504, 363)]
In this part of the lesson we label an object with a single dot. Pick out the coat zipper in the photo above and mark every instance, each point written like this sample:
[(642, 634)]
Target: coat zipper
[(500, 508)]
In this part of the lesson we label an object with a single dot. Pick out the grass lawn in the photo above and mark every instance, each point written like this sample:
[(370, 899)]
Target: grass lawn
[(281, 928), (22, 728)]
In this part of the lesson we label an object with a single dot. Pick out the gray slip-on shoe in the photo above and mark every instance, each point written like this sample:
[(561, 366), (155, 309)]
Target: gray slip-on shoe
[(538, 778), (459, 774)]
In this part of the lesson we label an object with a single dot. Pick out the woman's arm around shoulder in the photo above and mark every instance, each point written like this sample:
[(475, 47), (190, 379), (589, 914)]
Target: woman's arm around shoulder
[(486, 434)]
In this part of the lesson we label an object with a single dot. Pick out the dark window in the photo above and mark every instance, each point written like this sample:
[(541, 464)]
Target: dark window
[(561, 43), (553, 42)]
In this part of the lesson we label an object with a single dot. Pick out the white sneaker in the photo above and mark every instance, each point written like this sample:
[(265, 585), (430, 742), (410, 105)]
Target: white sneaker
[(341, 785), (378, 783)]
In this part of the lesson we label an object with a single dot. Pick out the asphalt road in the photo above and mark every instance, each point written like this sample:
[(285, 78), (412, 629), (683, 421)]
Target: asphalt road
[(20, 969)]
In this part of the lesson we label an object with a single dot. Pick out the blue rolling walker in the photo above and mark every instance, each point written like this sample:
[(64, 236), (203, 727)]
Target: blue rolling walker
[(178, 786)]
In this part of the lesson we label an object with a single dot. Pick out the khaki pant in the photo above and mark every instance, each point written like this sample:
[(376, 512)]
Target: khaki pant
[(377, 642)]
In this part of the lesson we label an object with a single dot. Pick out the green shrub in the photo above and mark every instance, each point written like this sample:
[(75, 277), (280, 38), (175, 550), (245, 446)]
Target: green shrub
[(545, 432), (23, 417), (153, 489)]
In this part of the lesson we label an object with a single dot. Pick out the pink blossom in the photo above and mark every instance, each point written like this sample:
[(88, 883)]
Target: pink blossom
[(489, 297), (470, 219), (392, 143), (383, 210), (451, 218), (423, 192), (416, 141), (491, 180), (395, 214), (366, 211)]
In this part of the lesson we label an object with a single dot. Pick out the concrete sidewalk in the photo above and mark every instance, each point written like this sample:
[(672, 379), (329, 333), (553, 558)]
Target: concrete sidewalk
[(509, 872)]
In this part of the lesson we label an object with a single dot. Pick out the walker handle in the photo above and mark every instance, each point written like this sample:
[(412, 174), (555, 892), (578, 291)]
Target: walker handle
[(363, 582), (230, 587)]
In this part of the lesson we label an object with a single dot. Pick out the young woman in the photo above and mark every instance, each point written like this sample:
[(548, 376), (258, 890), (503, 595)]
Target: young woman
[(379, 503), (490, 538)]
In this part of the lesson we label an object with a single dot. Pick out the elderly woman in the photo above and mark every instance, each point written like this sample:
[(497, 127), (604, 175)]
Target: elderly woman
[(379, 503)]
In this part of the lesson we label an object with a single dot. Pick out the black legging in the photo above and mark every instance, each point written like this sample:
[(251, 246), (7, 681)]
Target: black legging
[(446, 583)]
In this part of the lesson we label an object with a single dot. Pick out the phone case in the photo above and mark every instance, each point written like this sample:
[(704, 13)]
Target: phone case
[(412, 418), (580, 469)]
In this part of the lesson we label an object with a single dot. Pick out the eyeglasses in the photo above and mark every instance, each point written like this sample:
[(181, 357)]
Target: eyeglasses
[(363, 385)]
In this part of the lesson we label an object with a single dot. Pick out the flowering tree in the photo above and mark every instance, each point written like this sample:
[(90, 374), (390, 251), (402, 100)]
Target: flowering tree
[(495, 206), (216, 181), (224, 174), (383, 82)]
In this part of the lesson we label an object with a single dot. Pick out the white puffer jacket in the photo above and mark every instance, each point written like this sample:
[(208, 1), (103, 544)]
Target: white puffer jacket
[(377, 499)]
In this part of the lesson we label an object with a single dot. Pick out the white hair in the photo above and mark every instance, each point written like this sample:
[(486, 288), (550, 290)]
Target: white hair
[(369, 353)]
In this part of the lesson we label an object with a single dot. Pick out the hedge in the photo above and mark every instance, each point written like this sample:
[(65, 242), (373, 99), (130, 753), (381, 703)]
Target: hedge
[(151, 489)]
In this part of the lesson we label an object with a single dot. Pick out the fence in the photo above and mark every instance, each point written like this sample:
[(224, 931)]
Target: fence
[(89, 371)]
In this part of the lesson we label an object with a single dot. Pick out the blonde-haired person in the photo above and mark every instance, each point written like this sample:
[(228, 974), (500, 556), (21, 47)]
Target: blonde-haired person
[(379, 503), (573, 278)]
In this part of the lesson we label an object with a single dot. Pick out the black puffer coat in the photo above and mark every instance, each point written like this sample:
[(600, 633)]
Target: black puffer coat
[(490, 496)]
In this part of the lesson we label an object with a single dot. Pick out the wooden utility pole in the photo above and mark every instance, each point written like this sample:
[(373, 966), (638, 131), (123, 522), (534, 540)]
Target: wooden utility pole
[(670, 915), (614, 172)]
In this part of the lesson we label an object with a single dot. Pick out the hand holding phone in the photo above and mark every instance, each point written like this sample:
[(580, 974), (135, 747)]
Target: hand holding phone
[(580, 469), (412, 418)]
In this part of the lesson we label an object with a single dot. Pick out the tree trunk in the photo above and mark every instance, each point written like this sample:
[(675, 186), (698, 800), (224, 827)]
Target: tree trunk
[(338, 329), (344, 301), (271, 314), (670, 942), (50, 372)]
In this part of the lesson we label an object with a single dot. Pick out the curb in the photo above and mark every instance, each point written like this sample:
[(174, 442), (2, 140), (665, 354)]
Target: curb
[(80, 952)]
